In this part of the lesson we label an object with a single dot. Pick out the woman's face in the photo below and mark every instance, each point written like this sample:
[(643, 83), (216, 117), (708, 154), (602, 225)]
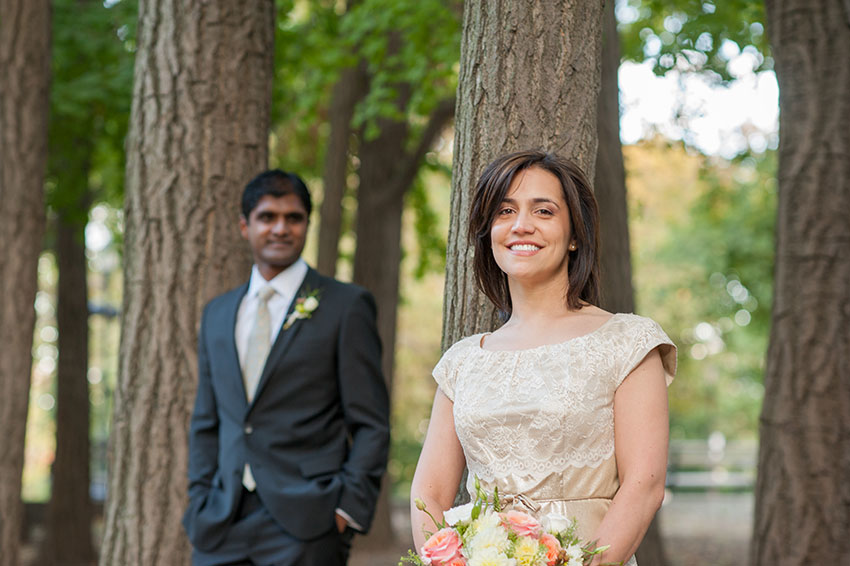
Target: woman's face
[(531, 232)]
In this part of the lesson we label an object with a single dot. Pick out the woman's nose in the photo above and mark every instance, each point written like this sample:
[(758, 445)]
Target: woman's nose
[(522, 222)]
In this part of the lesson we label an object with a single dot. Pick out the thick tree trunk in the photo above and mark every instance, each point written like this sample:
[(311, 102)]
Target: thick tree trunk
[(24, 103), (610, 189), (529, 77), (348, 90), (198, 132), (802, 510), (69, 516)]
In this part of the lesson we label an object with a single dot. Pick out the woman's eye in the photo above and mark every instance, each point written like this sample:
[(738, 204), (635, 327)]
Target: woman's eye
[(545, 212), (505, 211)]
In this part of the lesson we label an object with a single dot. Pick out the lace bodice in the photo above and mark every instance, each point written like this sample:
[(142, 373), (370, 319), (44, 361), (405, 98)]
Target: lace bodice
[(538, 411)]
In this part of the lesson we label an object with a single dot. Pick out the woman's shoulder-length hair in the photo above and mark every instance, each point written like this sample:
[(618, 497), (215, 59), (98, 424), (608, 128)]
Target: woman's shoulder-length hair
[(490, 192)]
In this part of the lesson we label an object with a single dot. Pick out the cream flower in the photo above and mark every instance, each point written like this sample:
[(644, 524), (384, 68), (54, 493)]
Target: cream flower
[(555, 523), (461, 513), (527, 551), (574, 555), (490, 538), (490, 557)]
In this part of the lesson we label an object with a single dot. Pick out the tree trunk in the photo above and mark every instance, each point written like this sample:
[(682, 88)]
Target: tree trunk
[(24, 103), (802, 509), (610, 183), (347, 92), (69, 517), (198, 132), (610, 190), (387, 171), (529, 77)]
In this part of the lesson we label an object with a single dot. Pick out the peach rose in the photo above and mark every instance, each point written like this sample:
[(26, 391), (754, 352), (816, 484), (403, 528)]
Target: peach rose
[(521, 523), (553, 548), (443, 549)]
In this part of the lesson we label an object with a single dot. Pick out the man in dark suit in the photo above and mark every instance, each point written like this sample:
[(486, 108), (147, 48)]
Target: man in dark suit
[(289, 435)]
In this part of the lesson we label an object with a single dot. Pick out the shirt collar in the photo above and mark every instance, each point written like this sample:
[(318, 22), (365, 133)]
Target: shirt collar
[(286, 283)]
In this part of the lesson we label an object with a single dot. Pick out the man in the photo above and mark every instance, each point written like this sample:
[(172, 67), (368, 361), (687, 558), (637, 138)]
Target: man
[(289, 435)]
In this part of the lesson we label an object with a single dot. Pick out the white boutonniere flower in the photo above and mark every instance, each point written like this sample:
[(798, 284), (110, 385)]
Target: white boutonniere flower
[(304, 307)]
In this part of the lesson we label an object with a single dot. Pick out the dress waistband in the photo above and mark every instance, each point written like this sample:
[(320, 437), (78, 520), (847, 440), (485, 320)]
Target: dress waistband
[(533, 504)]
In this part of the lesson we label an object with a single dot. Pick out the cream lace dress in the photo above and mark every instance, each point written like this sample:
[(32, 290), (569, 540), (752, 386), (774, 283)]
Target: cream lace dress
[(539, 423)]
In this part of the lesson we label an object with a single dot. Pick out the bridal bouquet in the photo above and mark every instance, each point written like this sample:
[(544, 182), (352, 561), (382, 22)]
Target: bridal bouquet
[(481, 534)]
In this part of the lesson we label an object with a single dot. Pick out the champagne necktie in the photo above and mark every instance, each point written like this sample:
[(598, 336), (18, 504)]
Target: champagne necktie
[(255, 360), (258, 344)]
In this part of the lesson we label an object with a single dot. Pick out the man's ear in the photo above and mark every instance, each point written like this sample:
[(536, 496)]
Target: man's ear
[(243, 226)]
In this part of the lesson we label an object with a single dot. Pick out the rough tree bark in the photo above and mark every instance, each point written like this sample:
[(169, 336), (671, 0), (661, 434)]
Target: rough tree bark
[(198, 132), (348, 91), (387, 171), (24, 103), (802, 509), (69, 517), (529, 77), (610, 190)]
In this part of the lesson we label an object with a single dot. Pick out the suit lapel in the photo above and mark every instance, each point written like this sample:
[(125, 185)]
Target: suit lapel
[(229, 356), (311, 282)]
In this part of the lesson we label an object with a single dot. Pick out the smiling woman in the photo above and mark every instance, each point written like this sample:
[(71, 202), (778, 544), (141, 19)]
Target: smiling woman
[(570, 200), (563, 409)]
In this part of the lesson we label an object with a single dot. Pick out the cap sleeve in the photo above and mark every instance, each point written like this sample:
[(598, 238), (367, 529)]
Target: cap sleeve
[(646, 336), (446, 371)]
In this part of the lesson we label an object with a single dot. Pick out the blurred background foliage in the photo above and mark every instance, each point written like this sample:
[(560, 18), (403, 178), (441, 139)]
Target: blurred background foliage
[(701, 226)]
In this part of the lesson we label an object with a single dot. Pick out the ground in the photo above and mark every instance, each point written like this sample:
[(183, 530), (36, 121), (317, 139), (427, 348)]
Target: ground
[(699, 529)]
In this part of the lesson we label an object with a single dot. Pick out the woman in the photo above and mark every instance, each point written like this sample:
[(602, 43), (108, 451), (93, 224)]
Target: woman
[(563, 408)]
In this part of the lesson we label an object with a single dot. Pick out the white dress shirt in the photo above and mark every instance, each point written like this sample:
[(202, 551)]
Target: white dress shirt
[(286, 284)]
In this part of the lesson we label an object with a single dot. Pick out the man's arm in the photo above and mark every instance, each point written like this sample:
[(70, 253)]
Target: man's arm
[(365, 404), (203, 431)]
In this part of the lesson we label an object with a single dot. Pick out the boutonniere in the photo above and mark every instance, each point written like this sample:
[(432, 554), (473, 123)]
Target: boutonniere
[(304, 307)]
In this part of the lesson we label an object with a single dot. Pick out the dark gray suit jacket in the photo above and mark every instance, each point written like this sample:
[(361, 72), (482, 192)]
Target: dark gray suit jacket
[(317, 432)]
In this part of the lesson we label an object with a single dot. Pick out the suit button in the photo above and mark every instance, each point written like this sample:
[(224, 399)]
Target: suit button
[(248, 429)]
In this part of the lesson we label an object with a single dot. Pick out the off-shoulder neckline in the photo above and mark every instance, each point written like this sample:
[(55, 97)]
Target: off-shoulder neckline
[(480, 337)]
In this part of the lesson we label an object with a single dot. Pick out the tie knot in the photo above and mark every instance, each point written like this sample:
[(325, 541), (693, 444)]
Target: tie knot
[(266, 293)]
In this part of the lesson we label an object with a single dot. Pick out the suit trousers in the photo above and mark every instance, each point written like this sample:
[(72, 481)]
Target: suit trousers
[(256, 539)]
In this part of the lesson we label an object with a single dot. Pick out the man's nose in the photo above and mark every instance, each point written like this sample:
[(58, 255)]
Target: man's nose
[(280, 226)]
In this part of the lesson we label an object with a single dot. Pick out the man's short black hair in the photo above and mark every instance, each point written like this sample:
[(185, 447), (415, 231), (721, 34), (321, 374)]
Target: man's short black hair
[(276, 183)]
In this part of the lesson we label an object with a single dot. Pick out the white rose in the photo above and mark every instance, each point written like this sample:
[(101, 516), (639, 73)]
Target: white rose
[(555, 523), (311, 304), (457, 514)]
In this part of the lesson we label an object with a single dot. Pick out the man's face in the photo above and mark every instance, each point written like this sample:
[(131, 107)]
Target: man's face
[(276, 230)]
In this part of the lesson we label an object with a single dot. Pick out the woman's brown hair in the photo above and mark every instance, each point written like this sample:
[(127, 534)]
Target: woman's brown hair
[(490, 191)]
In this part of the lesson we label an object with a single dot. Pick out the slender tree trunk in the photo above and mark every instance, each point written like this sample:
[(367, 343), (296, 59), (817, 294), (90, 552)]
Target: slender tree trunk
[(347, 92), (529, 77), (387, 171), (69, 516), (610, 190), (24, 103), (802, 509), (198, 132), (610, 182)]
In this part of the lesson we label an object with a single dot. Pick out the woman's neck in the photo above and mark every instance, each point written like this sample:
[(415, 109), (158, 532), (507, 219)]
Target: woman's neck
[(538, 303)]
